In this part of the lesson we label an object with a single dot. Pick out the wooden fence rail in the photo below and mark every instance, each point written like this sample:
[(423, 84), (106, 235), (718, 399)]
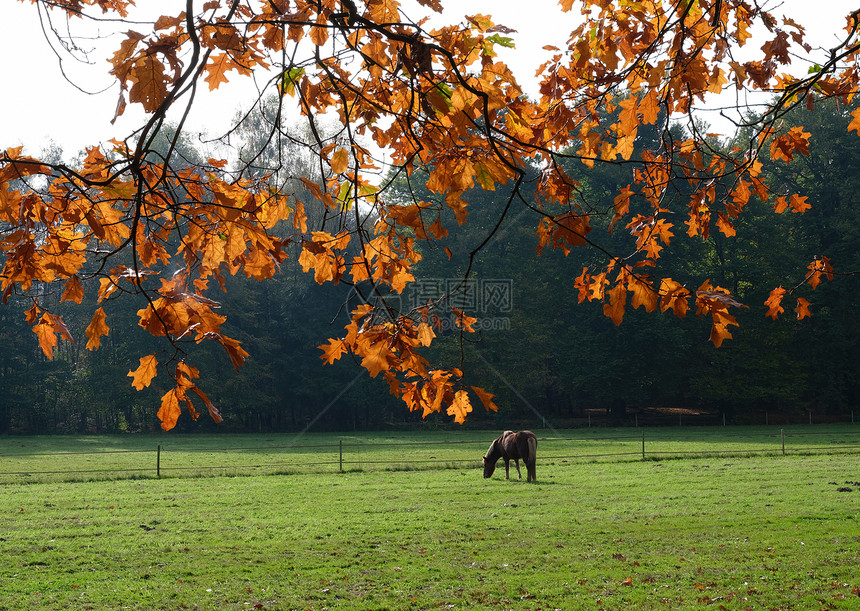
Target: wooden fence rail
[(344, 456)]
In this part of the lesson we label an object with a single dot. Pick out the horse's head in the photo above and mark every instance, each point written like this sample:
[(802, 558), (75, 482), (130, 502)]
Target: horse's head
[(491, 458), (489, 467)]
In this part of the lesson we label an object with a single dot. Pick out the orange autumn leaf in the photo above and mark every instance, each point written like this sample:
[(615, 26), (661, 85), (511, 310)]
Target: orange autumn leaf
[(47, 329), (784, 147), (425, 334), (720, 328), (319, 34), (570, 230), (333, 350), (725, 225), (617, 300), (621, 205), (44, 330), (715, 301), (673, 295), (340, 161), (234, 350), (376, 358), (74, 291), (146, 371), (818, 268), (855, 121), (460, 406), (464, 321), (802, 308), (216, 70), (799, 204), (213, 411), (149, 83), (643, 294), (486, 398), (96, 329), (774, 301), (781, 205), (170, 410)]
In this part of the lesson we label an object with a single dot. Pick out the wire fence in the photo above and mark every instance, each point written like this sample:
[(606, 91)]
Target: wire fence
[(350, 456)]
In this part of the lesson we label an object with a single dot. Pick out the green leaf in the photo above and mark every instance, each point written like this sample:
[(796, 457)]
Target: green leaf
[(504, 41), (290, 80), (343, 195)]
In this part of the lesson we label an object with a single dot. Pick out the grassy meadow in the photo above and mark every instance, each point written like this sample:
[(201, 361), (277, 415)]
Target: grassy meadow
[(730, 530)]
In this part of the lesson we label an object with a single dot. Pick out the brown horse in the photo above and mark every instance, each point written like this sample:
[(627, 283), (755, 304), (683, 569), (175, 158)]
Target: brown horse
[(513, 446)]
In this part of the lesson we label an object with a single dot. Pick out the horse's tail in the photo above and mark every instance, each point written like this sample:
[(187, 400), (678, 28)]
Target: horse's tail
[(530, 463)]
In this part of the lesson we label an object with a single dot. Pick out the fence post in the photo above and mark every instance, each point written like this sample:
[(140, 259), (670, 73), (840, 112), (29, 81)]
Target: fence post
[(158, 461), (782, 435), (340, 451), (643, 445)]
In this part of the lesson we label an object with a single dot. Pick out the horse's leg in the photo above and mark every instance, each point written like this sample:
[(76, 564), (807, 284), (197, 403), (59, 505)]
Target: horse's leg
[(507, 468), (517, 463)]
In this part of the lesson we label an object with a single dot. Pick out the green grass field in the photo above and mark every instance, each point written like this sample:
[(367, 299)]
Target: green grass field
[(721, 530)]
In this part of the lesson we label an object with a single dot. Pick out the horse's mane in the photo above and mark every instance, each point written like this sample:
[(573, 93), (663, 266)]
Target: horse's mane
[(497, 443)]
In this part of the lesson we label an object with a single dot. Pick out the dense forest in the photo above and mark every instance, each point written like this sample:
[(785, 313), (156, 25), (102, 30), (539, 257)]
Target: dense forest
[(547, 358)]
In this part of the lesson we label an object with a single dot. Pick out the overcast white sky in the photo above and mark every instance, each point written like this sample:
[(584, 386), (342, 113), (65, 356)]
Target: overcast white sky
[(38, 105)]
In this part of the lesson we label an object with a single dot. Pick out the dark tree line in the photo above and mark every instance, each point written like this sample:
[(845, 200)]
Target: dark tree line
[(542, 353)]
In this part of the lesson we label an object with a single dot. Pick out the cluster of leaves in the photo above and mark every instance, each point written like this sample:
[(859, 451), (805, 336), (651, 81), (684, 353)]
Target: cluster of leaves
[(436, 99)]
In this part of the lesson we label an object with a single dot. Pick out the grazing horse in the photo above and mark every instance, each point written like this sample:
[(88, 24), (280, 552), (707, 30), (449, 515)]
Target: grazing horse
[(513, 446)]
